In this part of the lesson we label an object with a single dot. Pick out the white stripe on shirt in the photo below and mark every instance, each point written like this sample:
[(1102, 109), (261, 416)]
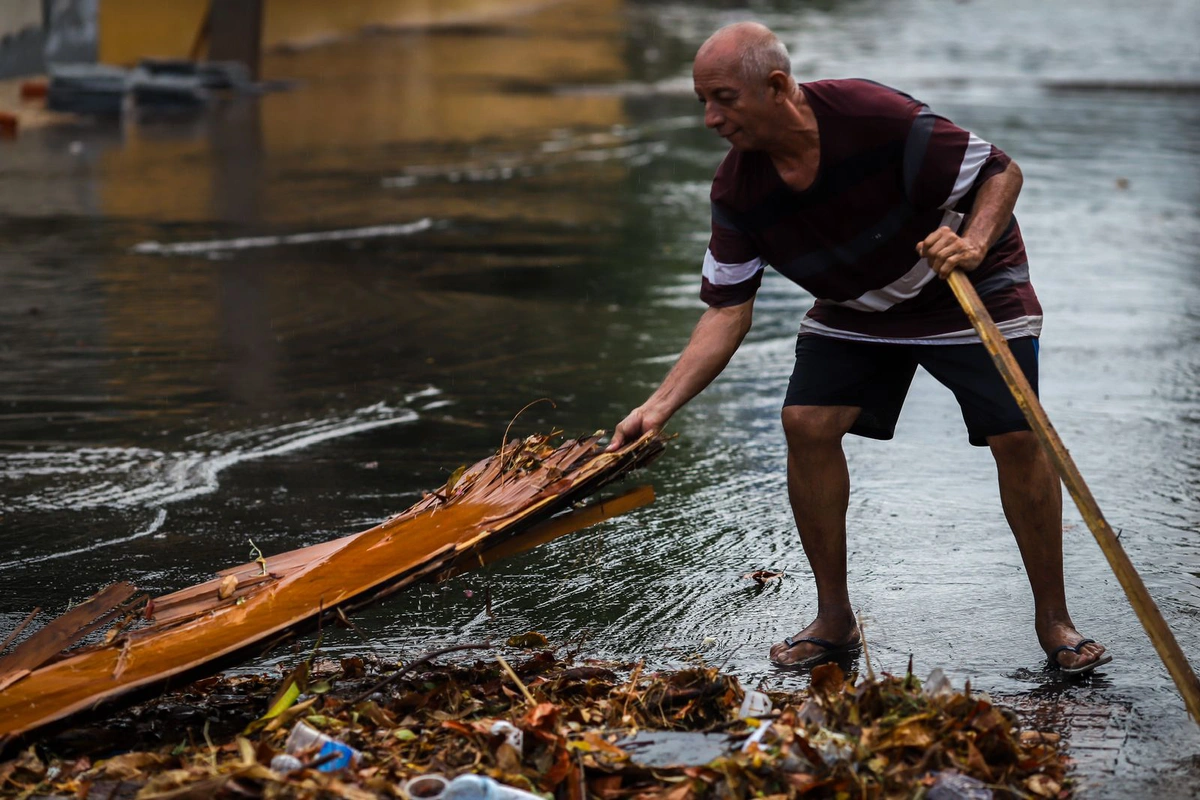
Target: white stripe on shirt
[(721, 274), (973, 159), (907, 286), (1012, 329)]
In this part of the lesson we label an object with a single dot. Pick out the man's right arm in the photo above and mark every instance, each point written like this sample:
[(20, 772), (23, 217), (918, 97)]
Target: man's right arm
[(715, 339)]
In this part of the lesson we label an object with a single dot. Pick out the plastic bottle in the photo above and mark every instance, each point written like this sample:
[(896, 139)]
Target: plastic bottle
[(481, 787), (326, 752)]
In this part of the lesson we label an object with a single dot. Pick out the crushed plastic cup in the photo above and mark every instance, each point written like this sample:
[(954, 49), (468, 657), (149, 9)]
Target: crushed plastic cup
[(755, 704), (465, 787), (481, 787), (325, 752), (425, 787)]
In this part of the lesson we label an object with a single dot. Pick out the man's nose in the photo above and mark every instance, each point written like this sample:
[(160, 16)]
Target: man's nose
[(712, 117)]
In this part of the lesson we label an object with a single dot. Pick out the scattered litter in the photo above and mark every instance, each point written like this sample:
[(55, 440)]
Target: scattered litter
[(756, 737), (937, 684), (323, 752), (590, 730), (755, 704)]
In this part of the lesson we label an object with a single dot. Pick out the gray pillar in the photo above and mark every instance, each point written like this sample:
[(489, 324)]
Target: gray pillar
[(235, 32)]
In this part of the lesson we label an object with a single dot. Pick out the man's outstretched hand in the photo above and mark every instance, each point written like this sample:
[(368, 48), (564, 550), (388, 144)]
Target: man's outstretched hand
[(639, 422), (946, 251)]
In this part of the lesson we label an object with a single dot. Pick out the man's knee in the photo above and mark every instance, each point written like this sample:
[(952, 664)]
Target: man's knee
[(1017, 447), (805, 426)]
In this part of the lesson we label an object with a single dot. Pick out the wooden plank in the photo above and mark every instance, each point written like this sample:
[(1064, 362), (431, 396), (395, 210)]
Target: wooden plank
[(63, 631), (486, 502), (1143, 604), (12, 637), (561, 525)]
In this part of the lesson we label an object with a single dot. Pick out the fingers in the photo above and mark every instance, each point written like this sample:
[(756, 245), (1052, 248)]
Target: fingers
[(629, 428), (946, 251)]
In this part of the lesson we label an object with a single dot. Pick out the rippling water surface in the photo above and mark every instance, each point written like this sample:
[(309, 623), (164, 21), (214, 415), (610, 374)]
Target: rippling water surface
[(282, 321)]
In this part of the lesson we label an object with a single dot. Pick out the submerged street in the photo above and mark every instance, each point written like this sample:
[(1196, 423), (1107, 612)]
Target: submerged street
[(282, 320)]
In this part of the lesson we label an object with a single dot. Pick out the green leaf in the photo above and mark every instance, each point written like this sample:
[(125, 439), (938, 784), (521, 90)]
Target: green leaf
[(284, 699)]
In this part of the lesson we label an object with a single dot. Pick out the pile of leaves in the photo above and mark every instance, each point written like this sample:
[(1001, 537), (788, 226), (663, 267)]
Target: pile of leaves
[(841, 737)]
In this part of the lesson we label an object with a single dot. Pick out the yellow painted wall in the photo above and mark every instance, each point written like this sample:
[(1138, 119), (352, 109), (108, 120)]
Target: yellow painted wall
[(131, 29)]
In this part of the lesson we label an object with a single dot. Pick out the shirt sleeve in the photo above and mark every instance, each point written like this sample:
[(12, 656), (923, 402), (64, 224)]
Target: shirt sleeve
[(732, 269), (945, 165)]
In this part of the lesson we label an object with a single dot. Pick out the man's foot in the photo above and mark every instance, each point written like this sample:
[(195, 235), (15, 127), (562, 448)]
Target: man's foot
[(1070, 651), (818, 640)]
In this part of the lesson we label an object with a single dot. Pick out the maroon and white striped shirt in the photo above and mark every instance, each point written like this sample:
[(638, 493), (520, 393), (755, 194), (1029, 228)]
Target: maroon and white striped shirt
[(891, 172)]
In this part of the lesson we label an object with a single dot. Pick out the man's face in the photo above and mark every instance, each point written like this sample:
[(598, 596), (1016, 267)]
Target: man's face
[(738, 112)]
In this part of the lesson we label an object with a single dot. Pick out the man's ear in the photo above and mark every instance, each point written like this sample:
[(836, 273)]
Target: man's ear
[(780, 84)]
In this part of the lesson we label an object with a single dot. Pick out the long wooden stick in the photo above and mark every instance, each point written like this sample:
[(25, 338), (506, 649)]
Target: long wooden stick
[(1152, 620)]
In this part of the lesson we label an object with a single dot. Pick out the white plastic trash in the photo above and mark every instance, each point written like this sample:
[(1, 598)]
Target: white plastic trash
[(327, 753), (464, 787), (481, 787), (755, 704), (512, 734)]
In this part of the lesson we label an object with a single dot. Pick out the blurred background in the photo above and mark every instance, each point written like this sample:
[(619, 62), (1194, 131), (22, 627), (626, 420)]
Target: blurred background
[(279, 307)]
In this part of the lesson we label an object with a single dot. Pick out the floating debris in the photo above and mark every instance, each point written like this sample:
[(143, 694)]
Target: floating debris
[(578, 730)]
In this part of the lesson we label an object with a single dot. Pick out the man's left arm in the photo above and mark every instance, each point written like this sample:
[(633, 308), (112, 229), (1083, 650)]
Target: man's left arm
[(990, 214)]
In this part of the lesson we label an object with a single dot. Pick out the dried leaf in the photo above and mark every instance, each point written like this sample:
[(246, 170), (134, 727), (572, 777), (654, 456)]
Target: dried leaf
[(131, 765), (828, 678), (228, 586), (529, 640), (1043, 785)]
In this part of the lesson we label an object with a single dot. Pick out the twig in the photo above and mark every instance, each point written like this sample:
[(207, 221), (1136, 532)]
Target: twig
[(260, 559), (212, 751), (637, 672), (862, 636), (12, 637), (410, 666), (342, 618), (516, 680), (504, 441)]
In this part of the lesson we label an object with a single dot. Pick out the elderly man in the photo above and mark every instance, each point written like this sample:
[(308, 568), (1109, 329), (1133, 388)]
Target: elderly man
[(866, 198)]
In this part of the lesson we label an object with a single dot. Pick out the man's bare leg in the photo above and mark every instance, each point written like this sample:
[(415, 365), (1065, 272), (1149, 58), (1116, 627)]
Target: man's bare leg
[(819, 490), (1032, 498)]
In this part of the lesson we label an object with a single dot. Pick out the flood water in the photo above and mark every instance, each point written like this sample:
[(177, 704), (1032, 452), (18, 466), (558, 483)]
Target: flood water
[(282, 321)]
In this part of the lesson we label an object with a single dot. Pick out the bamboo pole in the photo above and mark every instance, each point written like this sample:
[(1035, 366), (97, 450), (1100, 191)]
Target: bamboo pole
[(1151, 618)]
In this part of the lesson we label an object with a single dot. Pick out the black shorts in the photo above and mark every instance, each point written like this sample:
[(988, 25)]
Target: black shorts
[(876, 377)]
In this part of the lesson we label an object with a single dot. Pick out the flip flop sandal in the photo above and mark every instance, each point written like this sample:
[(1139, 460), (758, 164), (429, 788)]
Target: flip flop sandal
[(831, 649), (1082, 670)]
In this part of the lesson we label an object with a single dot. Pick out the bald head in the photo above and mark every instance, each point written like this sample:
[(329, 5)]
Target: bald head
[(752, 49)]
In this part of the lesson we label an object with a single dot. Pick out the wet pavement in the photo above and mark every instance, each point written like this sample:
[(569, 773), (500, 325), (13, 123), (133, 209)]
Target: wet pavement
[(281, 321)]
